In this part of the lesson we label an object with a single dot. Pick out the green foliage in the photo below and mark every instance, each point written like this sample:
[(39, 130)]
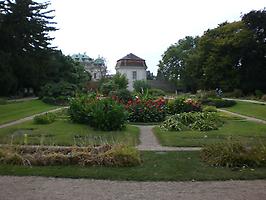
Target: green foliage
[(204, 121), (156, 92), (146, 110), (258, 93), (107, 115), (122, 95), (209, 109), (141, 86), (117, 82), (107, 87), (46, 118), (234, 154), (122, 156), (219, 103), (120, 80), (180, 105), (57, 93), (80, 108), (229, 56)]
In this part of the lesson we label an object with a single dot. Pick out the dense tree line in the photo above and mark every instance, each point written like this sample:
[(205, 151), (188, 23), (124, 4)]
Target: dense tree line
[(231, 56), (27, 59)]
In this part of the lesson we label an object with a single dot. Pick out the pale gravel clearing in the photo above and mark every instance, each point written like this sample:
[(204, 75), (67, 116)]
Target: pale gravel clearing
[(41, 188)]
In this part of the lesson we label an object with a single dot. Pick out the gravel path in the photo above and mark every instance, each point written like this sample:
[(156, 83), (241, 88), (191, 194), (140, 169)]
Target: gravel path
[(148, 142), (42, 188), (246, 100), (28, 118), (253, 119)]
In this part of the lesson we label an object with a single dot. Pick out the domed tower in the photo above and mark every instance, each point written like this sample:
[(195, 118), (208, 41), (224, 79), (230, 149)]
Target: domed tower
[(133, 67)]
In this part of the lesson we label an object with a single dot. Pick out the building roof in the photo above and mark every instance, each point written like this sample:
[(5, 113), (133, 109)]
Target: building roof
[(131, 56), (131, 60)]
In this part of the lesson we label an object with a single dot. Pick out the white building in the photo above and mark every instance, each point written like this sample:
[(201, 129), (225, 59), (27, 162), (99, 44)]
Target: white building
[(96, 67), (133, 67)]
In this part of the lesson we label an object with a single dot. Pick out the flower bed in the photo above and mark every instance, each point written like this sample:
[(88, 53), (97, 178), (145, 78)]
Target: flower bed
[(142, 110)]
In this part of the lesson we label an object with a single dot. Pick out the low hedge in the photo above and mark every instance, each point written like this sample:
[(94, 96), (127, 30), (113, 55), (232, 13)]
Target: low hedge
[(219, 103), (105, 155)]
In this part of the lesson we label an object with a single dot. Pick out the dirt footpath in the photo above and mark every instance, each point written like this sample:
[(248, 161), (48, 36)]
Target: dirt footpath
[(40, 188)]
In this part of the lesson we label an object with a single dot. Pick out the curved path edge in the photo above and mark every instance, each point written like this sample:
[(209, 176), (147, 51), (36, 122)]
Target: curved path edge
[(253, 119), (19, 121)]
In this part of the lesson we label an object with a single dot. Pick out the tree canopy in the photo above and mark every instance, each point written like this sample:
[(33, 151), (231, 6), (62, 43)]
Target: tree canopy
[(27, 58), (230, 56)]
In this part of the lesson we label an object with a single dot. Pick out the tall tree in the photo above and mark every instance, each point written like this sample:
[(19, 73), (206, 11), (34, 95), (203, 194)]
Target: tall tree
[(174, 59), (25, 42)]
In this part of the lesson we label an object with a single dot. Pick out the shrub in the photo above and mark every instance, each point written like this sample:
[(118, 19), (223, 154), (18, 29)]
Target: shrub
[(107, 115), (209, 109), (156, 92), (46, 118), (258, 93), (57, 93), (234, 154), (122, 156), (219, 103), (193, 120), (120, 80), (3, 101), (180, 105), (143, 110), (107, 87), (80, 108), (141, 86), (121, 95)]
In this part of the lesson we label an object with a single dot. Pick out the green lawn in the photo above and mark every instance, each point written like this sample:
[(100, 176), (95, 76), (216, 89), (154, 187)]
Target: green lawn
[(64, 132), (235, 128), (249, 109), (156, 166), (17, 110)]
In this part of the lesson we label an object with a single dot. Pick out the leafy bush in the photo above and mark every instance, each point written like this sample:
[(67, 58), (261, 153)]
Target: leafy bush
[(120, 80), (3, 101), (107, 87), (219, 103), (80, 108), (121, 95), (122, 156), (258, 93), (204, 121), (234, 154), (46, 118), (141, 86), (180, 105), (107, 115), (105, 155), (209, 109), (143, 110), (57, 93), (156, 92)]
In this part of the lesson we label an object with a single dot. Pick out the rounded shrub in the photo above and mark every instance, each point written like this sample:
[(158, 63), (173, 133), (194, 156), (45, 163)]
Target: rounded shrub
[(107, 115), (46, 118)]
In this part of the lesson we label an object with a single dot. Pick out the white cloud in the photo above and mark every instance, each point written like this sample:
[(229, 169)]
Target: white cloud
[(144, 27)]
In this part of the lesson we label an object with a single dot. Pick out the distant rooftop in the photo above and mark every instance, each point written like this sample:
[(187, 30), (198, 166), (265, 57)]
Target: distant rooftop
[(131, 60), (131, 56)]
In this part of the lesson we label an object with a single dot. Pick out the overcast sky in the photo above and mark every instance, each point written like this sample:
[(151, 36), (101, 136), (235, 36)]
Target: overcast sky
[(114, 28)]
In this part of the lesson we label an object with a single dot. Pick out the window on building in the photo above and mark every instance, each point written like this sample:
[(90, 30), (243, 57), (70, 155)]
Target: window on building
[(134, 75), (94, 75)]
